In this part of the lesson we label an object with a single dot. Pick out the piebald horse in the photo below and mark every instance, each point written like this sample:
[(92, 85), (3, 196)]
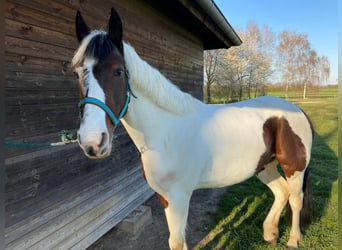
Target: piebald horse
[(184, 143)]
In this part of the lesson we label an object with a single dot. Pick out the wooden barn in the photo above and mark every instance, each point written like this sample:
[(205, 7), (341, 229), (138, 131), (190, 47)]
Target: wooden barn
[(56, 198)]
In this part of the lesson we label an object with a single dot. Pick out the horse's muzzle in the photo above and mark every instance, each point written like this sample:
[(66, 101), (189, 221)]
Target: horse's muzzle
[(96, 148)]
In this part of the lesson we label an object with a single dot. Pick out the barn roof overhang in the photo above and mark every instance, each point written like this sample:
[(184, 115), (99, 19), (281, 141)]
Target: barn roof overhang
[(202, 18)]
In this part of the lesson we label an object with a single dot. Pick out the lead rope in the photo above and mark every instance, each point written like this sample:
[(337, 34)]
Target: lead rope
[(66, 138)]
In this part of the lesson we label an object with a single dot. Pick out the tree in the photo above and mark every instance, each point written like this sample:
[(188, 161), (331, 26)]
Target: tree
[(246, 68), (242, 72), (323, 69), (298, 63), (210, 62), (292, 49), (309, 70)]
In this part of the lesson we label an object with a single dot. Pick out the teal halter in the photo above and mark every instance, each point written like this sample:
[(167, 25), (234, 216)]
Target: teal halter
[(105, 108)]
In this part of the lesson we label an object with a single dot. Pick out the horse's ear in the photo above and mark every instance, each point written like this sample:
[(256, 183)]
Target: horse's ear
[(82, 30), (115, 29)]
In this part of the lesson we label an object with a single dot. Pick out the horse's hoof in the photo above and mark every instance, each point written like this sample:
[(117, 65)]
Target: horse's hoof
[(300, 242), (291, 248), (273, 242)]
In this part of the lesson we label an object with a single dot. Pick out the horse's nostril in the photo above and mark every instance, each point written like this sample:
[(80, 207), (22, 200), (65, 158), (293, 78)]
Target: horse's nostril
[(103, 139), (90, 151), (79, 138)]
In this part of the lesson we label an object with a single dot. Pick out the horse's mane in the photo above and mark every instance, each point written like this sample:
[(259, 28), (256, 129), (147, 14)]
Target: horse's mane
[(156, 86), (143, 76)]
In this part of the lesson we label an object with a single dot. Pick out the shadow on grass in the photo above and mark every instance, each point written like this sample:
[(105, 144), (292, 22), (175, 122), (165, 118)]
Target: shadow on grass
[(242, 210)]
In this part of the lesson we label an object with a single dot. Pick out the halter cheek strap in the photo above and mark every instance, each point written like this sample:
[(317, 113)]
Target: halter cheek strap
[(106, 109)]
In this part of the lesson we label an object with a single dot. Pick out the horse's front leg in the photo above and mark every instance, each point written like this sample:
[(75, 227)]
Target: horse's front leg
[(176, 216)]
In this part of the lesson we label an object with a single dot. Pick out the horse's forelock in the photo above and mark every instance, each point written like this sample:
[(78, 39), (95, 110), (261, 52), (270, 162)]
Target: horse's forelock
[(97, 45)]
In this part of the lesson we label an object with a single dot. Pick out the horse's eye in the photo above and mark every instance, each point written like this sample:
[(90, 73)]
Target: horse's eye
[(76, 75), (117, 72)]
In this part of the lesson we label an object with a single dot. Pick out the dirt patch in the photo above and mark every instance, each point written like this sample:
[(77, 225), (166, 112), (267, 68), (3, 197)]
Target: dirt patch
[(155, 235)]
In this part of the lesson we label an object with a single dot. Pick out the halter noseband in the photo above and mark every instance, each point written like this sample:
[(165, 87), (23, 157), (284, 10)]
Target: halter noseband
[(106, 109)]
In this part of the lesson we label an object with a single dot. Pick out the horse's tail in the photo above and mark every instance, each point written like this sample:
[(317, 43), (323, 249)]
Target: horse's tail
[(307, 212)]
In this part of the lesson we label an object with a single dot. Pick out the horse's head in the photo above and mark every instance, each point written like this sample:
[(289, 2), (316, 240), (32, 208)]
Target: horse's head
[(103, 81)]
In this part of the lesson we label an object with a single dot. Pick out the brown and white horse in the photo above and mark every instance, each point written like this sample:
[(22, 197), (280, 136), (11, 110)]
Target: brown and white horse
[(184, 143)]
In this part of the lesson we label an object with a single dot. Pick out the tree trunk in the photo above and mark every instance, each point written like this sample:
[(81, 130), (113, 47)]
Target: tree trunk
[(240, 93), (304, 91), (208, 93), (286, 90)]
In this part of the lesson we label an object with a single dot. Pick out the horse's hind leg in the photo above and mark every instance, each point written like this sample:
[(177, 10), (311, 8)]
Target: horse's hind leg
[(278, 185), (295, 183), (177, 215)]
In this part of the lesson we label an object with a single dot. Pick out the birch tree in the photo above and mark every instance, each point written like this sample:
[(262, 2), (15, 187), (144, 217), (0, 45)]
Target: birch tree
[(323, 65), (299, 64), (292, 55)]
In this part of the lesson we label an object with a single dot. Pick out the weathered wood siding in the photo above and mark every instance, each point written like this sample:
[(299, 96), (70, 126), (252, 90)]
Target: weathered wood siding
[(56, 197)]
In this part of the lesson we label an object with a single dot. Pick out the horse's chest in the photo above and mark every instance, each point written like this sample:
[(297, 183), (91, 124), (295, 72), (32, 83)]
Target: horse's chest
[(155, 171)]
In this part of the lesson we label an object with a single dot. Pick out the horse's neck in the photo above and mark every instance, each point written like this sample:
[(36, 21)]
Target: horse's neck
[(144, 121), (159, 104), (156, 87)]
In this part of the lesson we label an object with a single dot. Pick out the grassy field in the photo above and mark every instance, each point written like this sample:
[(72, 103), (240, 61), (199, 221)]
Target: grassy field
[(238, 221), (323, 92)]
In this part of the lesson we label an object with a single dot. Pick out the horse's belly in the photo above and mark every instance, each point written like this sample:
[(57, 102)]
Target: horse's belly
[(234, 152), (226, 170)]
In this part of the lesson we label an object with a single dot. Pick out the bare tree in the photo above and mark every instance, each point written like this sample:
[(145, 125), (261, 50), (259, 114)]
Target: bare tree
[(210, 63), (299, 64), (324, 69), (248, 66), (242, 72), (292, 55)]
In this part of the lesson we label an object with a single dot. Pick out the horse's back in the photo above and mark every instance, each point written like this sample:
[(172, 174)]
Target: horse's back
[(263, 108), (257, 111), (236, 135), (268, 103), (260, 110)]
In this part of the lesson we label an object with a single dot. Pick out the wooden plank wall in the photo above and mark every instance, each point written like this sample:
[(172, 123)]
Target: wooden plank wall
[(54, 191)]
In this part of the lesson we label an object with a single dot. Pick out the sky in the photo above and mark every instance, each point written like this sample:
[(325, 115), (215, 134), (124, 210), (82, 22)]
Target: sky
[(316, 18)]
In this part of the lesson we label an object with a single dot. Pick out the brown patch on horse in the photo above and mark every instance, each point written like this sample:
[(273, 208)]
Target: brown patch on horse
[(270, 128), (163, 200), (283, 144), (142, 168)]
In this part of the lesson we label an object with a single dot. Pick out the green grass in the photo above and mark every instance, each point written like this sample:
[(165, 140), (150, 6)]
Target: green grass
[(323, 92), (238, 221), (274, 90)]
